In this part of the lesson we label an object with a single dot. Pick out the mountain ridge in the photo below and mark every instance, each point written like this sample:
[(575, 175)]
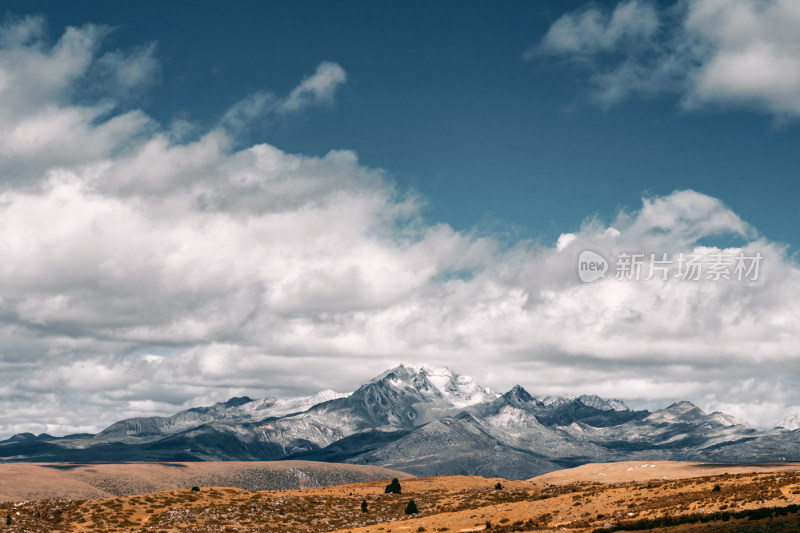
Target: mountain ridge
[(423, 420)]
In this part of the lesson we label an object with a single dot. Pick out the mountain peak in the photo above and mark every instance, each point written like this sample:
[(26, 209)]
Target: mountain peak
[(237, 401), (411, 370), (518, 395), (22, 436), (457, 389), (589, 400), (683, 407), (605, 404), (791, 422), (684, 411)]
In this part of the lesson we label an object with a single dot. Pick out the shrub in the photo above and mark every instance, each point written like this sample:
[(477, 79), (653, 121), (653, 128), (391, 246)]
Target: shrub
[(195, 489), (364, 506), (499, 486), (716, 488), (393, 487), (411, 508)]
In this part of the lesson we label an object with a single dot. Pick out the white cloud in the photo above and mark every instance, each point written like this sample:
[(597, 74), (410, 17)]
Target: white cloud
[(39, 128), (129, 71), (142, 271), (738, 53), (246, 111), (318, 88), (592, 29), (753, 54)]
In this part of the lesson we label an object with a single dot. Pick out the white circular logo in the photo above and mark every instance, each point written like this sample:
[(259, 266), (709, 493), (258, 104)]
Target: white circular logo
[(591, 266)]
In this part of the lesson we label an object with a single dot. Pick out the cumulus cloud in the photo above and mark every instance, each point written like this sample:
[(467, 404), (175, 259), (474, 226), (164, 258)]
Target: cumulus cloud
[(39, 127), (752, 57), (740, 53), (142, 274)]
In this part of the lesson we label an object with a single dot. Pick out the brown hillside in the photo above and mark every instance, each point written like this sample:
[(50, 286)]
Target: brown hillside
[(644, 470), (30, 481)]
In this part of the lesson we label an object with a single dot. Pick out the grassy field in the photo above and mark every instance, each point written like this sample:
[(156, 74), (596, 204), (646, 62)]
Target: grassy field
[(723, 501)]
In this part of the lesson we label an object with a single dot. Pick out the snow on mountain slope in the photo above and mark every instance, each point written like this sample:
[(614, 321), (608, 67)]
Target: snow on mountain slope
[(458, 390), (680, 412), (791, 423), (236, 410), (590, 400), (687, 412), (681, 426), (272, 407), (718, 417), (406, 396), (520, 429), (431, 419), (452, 446)]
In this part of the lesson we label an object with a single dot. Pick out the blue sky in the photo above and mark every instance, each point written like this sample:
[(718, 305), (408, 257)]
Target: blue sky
[(439, 95), (206, 200)]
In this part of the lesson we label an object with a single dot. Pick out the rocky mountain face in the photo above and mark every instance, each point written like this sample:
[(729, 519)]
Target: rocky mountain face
[(425, 421)]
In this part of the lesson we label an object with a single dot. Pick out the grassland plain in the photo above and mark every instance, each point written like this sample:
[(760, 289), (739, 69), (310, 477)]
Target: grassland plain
[(765, 500), (36, 481)]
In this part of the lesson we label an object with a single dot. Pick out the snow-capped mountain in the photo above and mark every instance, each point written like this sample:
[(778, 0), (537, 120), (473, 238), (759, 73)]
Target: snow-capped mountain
[(459, 390), (426, 421), (270, 407), (241, 409), (791, 422), (587, 399)]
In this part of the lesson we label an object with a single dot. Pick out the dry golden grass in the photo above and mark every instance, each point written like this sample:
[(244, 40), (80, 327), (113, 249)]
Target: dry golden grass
[(643, 471), (35, 481), (724, 501)]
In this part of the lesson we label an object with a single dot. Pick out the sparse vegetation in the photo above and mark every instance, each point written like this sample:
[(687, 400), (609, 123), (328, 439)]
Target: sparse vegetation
[(450, 504)]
